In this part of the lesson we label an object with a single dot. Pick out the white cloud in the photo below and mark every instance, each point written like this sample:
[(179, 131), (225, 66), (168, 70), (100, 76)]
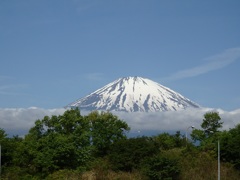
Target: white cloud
[(176, 120), (20, 120), (14, 120), (215, 62)]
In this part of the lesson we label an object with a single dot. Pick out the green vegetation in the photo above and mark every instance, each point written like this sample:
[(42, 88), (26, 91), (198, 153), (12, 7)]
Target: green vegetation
[(95, 146)]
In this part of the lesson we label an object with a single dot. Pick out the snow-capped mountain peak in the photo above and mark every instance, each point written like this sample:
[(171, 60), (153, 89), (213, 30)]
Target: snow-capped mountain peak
[(134, 94)]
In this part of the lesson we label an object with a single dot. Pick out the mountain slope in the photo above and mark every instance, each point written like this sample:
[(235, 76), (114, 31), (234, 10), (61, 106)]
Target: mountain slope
[(134, 94)]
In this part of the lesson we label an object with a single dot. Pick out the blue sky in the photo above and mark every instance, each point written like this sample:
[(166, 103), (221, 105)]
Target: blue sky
[(53, 52)]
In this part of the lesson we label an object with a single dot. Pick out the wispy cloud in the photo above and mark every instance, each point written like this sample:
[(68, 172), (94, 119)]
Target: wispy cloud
[(4, 78), (212, 63), (9, 87), (94, 76), (12, 89), (82, 6)]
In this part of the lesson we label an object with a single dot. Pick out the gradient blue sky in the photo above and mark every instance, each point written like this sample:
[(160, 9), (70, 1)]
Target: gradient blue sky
[(53, 52)]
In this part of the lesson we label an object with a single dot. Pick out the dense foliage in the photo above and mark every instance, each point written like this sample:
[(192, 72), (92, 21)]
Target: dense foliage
[(68, 141), (230, 146), (126, 155), (72, 146)]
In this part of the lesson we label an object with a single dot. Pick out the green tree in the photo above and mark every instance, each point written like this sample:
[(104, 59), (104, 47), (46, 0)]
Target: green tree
[(3, 135), (211, 122), (230, 146), (8, 148), (160, 167), (127, 154), (210, 127), (166, 141), (57, 142), (198, 135), (106, 129), (3, 144), (68, 141)]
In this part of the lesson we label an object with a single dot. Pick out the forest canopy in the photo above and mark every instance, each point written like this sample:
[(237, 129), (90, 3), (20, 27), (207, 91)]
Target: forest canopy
[(72, 145)]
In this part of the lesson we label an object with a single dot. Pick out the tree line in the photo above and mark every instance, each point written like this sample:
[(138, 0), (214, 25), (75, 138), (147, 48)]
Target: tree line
[(72, 146)]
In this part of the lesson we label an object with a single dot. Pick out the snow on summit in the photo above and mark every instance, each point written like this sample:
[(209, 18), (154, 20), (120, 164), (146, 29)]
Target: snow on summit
[(134, 94)]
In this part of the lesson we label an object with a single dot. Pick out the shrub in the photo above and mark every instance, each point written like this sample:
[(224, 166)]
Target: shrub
[(127, 154), (160, 167)]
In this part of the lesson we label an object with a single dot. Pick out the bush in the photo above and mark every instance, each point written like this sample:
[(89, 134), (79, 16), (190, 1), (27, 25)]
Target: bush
[(127, 154), (16, 173), (160, 167)]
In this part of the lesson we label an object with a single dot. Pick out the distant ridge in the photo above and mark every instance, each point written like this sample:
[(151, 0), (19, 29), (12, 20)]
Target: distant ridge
[(134, 94)]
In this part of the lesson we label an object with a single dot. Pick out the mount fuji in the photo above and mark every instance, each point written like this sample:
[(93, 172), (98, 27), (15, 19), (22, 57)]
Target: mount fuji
[(134, 94)]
